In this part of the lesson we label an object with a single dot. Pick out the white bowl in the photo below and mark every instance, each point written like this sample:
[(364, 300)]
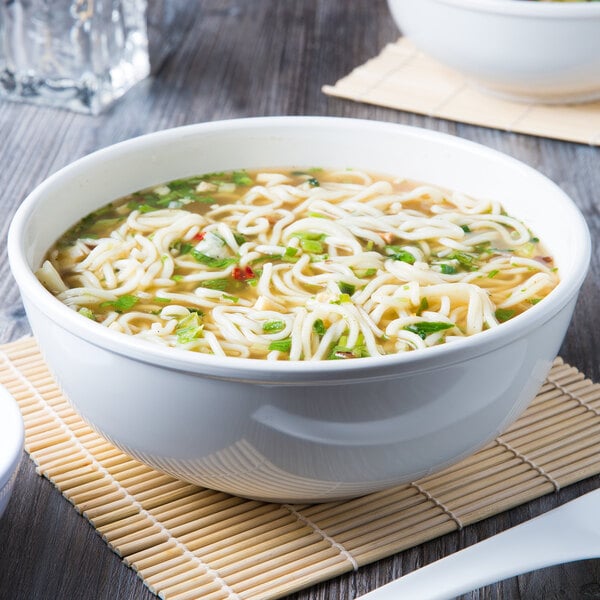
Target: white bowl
[(528, 51), (11, 445), (298, 431)]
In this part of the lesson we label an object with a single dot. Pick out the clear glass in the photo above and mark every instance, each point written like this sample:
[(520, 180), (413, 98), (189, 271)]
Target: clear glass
[(75, 54)]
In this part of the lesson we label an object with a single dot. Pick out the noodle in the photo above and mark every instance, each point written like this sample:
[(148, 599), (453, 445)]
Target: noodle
[(299, 265)]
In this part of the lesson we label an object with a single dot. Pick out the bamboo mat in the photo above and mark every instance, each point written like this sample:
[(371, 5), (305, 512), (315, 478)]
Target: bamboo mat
[(187, 542), (403, 78)]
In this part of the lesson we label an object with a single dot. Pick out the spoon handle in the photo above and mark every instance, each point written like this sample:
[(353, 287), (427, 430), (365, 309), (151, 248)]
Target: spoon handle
[(553, 538)]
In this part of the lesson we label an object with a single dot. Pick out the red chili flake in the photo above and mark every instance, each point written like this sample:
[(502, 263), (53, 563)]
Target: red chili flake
[(199, 236), (242, 273)]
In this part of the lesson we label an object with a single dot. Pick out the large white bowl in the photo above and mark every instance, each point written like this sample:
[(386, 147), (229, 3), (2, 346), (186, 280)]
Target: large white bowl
[(298, 431), (527, 51)]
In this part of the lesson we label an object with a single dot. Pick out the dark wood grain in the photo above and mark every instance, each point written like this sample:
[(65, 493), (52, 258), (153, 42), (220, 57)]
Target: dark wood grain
[(217, 59)]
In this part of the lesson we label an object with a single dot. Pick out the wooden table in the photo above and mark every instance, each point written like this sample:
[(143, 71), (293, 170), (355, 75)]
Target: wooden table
[(220, 59)]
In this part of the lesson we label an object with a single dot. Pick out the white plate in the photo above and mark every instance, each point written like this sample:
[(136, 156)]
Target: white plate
[(11, 444)]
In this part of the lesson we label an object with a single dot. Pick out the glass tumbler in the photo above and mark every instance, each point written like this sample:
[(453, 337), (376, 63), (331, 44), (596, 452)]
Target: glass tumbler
[(75, 54)]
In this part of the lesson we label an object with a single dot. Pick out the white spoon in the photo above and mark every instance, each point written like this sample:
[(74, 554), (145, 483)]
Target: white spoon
[(567, 533)]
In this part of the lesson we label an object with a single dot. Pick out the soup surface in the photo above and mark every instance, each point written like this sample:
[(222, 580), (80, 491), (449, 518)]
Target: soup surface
[(305, 264)]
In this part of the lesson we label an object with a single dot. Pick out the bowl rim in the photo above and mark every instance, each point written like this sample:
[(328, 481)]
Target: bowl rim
[(286, 371), (524, 8)]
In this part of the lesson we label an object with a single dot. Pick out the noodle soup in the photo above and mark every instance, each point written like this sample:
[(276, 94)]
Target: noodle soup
[(305, 264)]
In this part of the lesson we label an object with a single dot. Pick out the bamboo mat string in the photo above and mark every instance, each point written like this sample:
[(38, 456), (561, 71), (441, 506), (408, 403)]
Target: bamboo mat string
[(577, 399), (438, 503), (529, 462), (347, 555), (191, 543)]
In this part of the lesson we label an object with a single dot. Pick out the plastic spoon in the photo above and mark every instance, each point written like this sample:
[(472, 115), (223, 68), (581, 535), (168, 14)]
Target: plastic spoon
[(567, 533)]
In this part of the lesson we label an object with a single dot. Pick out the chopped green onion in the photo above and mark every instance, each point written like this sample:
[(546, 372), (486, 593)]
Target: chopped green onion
[(241, 178), (466, 260), (312, 246), (398, 253), (210, 261), (425, 328), (215, 284), (86, 312), (504, 314), (447, 269), (273, 326), (466, 228), (159, 300), (313, 182), (281, 345), (189, 328), (423, 305), (319, 327), (126, 302), (493, 273), (346, 288), (291, 252)]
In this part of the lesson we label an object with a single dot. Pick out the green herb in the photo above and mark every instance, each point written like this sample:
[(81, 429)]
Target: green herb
[(241, 178), (177, 277), (346, 288), (534, 300), (122, 304), (398, 253), (233, 299), (291, 252), (319, 327), (86, 312), (215, 284), (463, 258), (146, 208), (189, 328), (341, 350), (504, 314), (281, 345), (312, 246), (365, 272), (343, 299), (493, 273), (162, 300), (313, 182), (425, 328), (273, 326), (310, 235), (466, 228), (423, 305), (447, 269), (210, 261), (239, 239)]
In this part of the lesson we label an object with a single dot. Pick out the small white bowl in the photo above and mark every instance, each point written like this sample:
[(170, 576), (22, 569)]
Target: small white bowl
[(545, 52), (11, 445), (299, 431)]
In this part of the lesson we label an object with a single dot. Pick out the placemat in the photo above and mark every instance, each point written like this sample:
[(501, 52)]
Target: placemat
[(187, 542), (403, 78)]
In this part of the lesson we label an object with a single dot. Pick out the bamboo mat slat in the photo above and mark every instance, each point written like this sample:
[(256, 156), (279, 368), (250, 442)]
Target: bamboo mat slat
[(403, 78), (188, 543)]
